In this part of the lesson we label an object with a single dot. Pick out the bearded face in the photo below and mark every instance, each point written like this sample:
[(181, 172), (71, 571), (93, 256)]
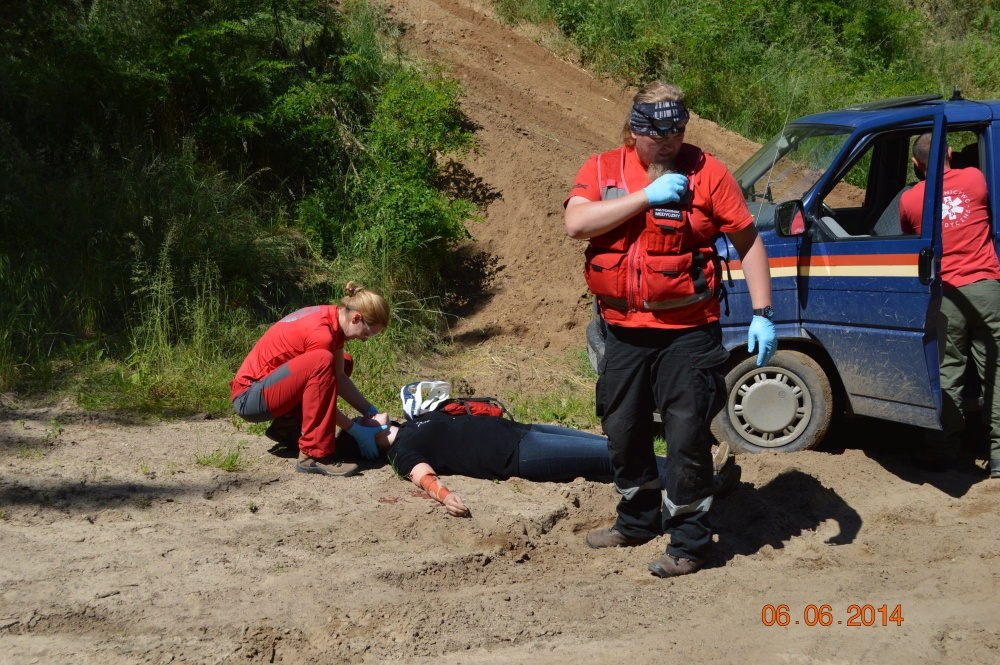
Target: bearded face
[(658, 152), (654, 171)]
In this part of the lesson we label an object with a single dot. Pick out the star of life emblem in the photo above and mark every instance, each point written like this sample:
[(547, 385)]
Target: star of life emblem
[(952, 207)]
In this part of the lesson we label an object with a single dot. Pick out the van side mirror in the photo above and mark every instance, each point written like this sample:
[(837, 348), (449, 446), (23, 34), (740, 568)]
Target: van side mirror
[(788, 219)]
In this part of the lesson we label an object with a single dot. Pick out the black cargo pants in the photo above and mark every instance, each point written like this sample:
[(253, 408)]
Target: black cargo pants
[(680, 373)]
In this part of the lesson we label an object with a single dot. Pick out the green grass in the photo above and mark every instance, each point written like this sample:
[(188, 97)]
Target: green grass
[(397, 473), (242, 426), (227, 459), (748, 65), (54, 430), (26, 451), (561, 407)]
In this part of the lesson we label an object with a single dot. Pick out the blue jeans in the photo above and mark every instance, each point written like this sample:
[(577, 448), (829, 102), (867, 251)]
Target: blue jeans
[(551, 453)]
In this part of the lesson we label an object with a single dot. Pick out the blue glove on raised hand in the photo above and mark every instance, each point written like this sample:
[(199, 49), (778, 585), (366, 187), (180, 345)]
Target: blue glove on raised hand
[(668, 188), (762, 333), (365, 436)]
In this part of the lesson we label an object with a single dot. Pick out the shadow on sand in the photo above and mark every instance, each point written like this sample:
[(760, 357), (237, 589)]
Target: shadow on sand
[(893, 446), (790, 504)]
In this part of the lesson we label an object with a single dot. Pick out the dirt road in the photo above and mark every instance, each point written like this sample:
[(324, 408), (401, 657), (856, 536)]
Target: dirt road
[(117, 547)]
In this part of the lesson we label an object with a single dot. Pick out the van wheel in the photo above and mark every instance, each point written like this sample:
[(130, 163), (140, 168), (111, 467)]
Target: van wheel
[(785, 406)]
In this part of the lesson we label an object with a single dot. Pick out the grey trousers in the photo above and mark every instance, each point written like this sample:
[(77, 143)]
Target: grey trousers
[(969, 323)]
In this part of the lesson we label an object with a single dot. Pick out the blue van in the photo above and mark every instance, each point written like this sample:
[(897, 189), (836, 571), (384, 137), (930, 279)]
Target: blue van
[(850, 290)]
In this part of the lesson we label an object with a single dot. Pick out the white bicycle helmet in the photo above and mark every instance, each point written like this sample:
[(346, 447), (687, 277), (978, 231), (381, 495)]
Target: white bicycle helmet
[(422, 396)]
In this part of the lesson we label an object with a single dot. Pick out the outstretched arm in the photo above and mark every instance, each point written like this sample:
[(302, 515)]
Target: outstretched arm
[(423, 476), (349, 392)]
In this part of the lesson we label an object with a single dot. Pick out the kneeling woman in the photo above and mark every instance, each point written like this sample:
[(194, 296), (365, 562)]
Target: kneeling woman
[(296, 371)]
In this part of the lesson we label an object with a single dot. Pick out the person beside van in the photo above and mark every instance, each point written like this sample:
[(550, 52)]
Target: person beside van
[(968, 310)]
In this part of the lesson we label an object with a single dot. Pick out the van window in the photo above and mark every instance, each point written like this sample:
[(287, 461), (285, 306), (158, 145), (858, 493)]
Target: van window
[(864, 201), (790, 164)]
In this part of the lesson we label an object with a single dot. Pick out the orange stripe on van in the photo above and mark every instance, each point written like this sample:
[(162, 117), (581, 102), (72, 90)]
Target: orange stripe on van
[(839, 260)]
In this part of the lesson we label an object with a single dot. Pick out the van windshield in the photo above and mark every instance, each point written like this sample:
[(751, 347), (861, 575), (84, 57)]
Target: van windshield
[(790, 164)]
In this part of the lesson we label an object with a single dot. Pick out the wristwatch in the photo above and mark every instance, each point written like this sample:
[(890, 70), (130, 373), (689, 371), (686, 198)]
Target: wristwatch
[(766, 312)]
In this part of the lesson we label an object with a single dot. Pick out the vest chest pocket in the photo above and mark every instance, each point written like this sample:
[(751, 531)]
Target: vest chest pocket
[(665, 230), (673, 281), (607, 276)]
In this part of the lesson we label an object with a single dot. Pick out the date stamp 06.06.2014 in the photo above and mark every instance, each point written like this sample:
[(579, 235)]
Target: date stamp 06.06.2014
[(827, 615)]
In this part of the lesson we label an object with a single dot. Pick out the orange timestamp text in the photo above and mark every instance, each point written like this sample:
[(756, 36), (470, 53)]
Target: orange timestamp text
[(825, 615)]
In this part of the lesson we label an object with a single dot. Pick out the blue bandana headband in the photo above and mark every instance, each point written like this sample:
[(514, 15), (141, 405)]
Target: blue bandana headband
[(658, 118)]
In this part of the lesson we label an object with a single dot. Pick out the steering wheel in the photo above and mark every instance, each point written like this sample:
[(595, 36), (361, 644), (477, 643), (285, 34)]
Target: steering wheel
[(827, 211)]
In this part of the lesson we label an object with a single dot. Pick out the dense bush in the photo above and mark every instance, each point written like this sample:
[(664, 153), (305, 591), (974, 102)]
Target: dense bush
[(751, 64), (175, 171)]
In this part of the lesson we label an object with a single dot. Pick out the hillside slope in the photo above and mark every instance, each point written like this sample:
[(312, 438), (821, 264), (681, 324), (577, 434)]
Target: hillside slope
[(538, 120)]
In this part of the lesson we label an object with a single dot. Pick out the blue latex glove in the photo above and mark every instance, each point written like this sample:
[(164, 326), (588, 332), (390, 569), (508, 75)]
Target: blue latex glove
[(372, 411), (365, 436), (668, 188), (762, 333)]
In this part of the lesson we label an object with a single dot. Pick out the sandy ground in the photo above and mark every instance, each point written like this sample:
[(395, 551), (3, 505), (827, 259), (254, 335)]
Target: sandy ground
[(118, 547)]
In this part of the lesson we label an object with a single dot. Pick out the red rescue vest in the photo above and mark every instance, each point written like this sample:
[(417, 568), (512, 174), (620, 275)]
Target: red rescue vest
[(654, 261)]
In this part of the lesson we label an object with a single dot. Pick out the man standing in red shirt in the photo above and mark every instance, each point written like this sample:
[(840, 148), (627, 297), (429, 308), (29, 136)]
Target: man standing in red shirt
[(970, 299), (651, 211)]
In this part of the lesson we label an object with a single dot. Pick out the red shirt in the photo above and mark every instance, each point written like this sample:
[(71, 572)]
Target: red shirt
[(969, 255), (718, 206), (308, 329)]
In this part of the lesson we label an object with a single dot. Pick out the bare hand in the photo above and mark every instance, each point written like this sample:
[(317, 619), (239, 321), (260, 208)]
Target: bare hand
[(453, 503)]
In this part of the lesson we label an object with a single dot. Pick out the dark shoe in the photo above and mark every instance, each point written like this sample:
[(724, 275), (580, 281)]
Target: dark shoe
[(726, 479), (325, 466), (599, 538), (671, 566), (285, 431), (995, 468)]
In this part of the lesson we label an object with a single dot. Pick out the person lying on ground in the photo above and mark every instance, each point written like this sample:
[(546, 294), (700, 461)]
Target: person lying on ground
[(496, 448), (295, 372)]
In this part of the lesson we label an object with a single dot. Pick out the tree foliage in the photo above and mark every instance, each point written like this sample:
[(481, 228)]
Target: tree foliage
[(272, 145)]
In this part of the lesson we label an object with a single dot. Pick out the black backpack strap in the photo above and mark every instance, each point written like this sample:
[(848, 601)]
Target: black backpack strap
[(503, 407), (487, 400), (720, 284)]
